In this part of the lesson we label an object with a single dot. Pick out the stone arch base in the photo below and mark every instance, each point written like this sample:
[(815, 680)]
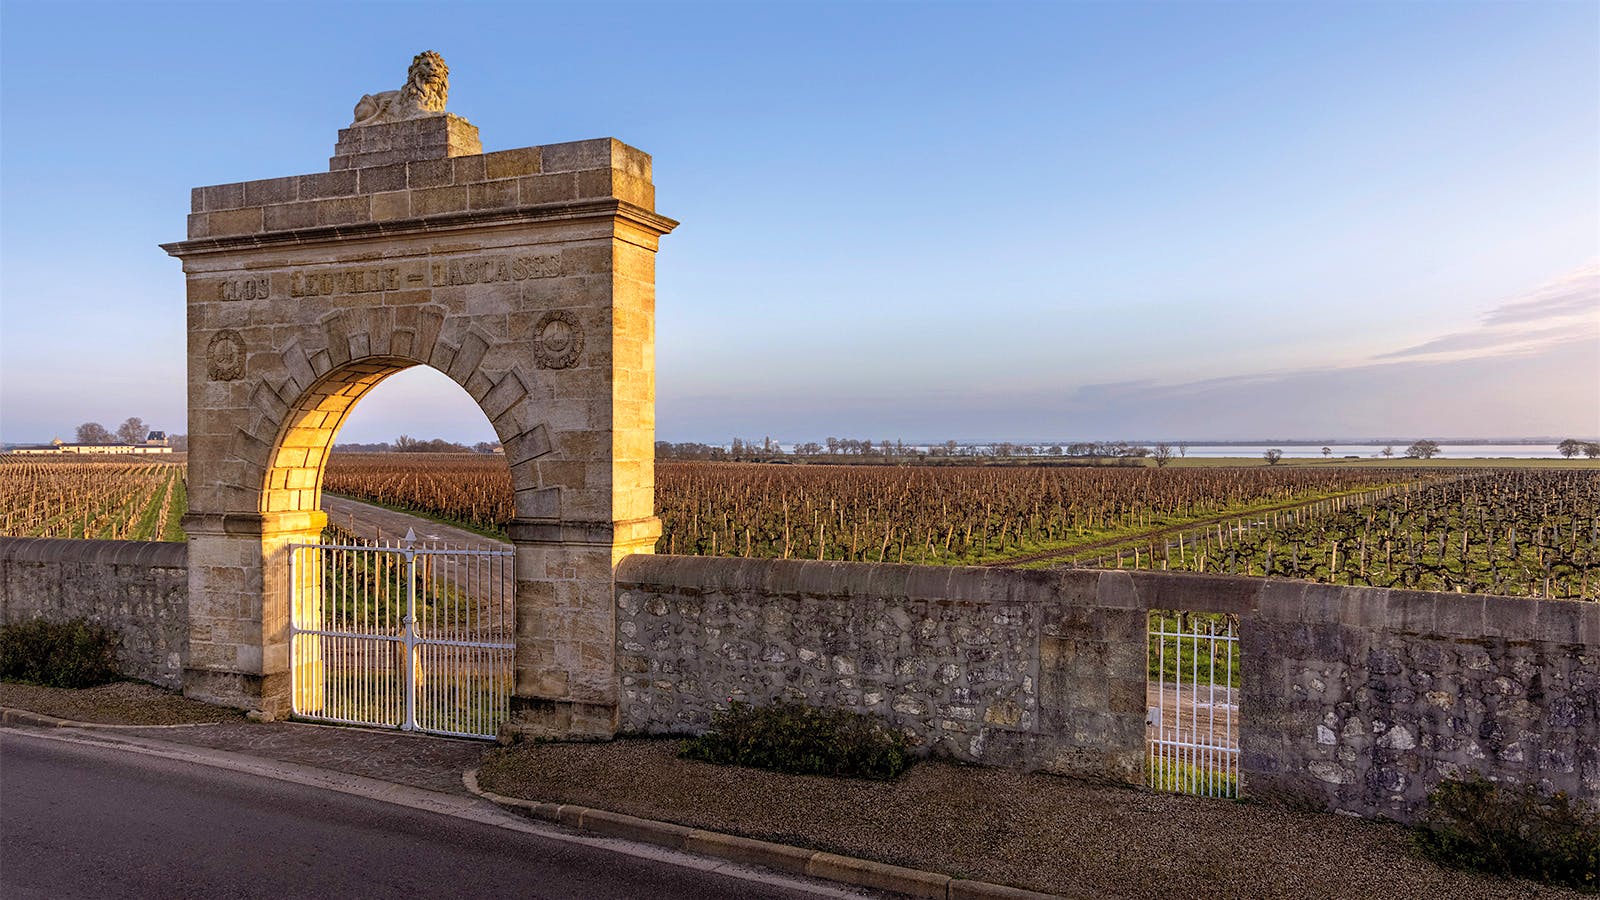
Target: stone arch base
[(527, 277)]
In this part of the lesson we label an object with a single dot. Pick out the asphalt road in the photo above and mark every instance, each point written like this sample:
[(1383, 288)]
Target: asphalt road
[(85, 821)]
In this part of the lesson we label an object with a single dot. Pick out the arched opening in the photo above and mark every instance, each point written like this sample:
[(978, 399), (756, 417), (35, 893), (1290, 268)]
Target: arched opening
[(293, 479), (409, 629)]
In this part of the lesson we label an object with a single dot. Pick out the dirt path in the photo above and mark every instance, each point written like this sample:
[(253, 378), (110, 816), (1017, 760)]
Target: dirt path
[(374, 523), (485, 585)]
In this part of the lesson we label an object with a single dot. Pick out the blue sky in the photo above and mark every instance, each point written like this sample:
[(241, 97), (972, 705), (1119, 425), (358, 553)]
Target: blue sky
[(918, 221)]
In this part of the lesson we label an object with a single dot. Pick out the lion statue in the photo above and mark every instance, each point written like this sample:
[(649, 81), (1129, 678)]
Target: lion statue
[(427, 87)]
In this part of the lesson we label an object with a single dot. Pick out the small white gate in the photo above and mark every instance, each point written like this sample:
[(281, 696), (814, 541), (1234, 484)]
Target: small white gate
[(397, 636), (1193, 699)]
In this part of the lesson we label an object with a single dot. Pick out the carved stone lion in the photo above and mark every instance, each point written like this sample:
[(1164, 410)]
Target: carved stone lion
[(427, 87)]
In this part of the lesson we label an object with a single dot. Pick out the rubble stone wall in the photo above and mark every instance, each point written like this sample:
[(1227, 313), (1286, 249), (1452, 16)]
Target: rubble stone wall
[(1363, 699), (139, 589), (1355, 699)]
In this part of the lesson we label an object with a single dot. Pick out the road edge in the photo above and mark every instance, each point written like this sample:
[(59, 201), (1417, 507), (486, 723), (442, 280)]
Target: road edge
[(782, 858), (778, 857), (12, 716), (475, 809)]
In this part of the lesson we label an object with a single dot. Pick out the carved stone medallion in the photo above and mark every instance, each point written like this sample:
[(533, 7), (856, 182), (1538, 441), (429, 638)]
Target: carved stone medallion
[(225, 356), (557, 341)]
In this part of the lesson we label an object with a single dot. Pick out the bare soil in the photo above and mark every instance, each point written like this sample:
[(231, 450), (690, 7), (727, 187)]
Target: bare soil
[(1035, 831), (119, 703)]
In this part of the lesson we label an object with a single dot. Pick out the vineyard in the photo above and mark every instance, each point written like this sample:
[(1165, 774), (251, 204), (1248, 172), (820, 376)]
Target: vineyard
[(107, 500), (1527, 532), (958, 515), (469, 489), (1511, 532), (1520, 532)]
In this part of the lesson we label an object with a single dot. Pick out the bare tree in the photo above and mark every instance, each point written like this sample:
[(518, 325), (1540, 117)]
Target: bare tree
[(94, 433), (1388, 451), (1591, 449), (132, 431), (1423, 450), (1162, 454), (1570, 447), (1273, 456), (1183, 448)]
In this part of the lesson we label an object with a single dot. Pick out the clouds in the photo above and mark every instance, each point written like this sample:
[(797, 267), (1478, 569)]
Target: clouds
[(1530, 368), (1564, 310), (1554, 390)]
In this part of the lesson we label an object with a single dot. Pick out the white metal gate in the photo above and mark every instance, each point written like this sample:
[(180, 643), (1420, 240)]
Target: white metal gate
[(398, 636), (1193, 698)]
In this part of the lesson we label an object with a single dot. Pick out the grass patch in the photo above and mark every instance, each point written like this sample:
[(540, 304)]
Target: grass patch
[(1099, 544), (1194, 659), (180, 505), (1179, 777), (144, 529)]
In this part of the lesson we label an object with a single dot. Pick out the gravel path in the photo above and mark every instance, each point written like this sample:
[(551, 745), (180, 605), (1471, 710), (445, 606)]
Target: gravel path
[(376, 523), (121, 702), (1036, 831)]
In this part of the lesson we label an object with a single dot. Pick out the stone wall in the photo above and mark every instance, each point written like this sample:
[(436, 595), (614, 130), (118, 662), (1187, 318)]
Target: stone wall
[(140, 589), (1362, 700), (1357, 699), (1034, 670), (1354, 699)]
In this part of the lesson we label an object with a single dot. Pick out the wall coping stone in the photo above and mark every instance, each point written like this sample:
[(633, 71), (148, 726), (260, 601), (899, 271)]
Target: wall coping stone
[(163, 554), (1471, 616)]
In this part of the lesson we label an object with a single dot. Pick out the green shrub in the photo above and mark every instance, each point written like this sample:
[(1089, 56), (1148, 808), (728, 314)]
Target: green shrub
[(1512, 831), (71, 654), (802, 740)]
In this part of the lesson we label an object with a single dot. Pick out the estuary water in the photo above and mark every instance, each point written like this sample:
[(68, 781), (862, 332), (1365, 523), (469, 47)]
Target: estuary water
[(1369, 451)]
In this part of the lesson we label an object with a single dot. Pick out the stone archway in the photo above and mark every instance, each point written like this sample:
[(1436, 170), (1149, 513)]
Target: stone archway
[(528, 277)]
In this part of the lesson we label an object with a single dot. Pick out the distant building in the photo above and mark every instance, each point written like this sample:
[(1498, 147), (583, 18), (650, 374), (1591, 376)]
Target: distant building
[(157, 442)]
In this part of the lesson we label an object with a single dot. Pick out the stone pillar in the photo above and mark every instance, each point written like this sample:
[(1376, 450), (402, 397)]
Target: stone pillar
[(528, 277), (239, 651)]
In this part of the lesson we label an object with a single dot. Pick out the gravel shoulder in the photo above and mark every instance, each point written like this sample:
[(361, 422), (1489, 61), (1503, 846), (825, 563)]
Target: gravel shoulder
[(1035, 831), (118, 703)]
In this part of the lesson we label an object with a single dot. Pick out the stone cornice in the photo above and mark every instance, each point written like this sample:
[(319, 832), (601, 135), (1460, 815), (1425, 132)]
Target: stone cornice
[(572, 211), (600, 534), (254, 524)]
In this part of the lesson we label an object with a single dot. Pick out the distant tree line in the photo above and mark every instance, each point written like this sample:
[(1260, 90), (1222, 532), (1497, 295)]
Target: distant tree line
[(408, 444), (1572, 447), (131, 431), (767, 448), (405, 443)]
